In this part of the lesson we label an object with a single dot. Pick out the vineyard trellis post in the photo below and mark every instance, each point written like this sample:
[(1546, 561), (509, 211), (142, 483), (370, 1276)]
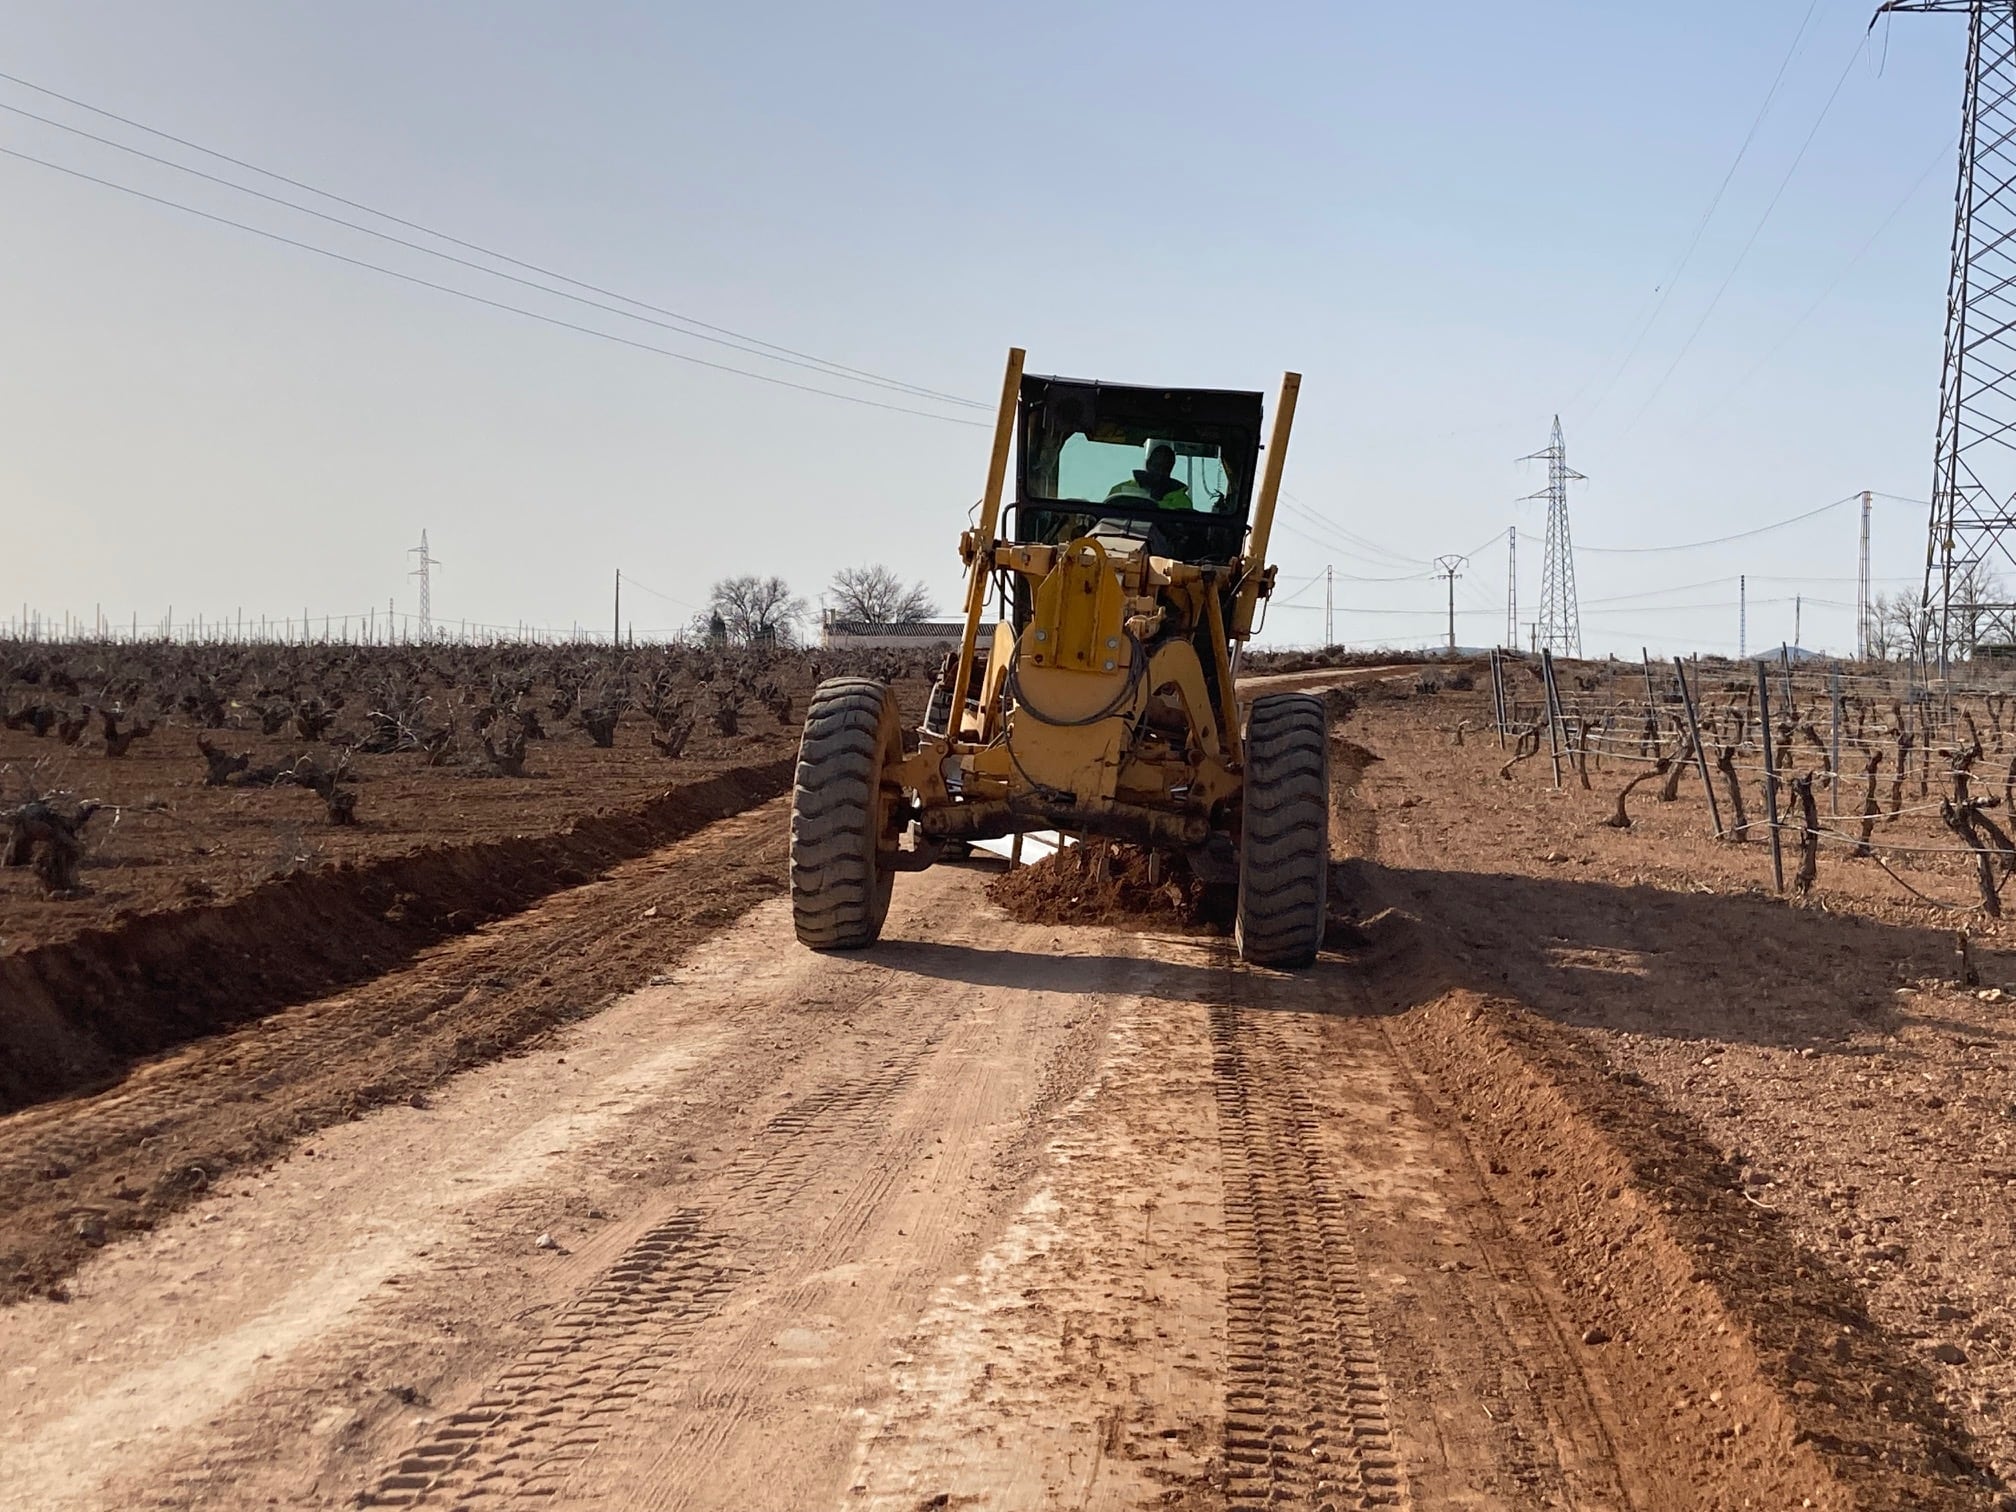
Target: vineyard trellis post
[(1651, 703), (1770, 777), (1553, 710), (1700, 750), (1834, 777), (1499, 713)]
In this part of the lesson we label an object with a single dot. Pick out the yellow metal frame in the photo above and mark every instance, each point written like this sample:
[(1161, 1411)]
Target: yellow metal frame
[(982, 539), (1262, 529)]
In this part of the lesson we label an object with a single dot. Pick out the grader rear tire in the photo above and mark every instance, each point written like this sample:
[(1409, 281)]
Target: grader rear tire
[(1284, 855), (840, 815)]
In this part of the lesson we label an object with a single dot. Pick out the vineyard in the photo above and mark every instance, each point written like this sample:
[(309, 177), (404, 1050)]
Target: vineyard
[(141, 777), (1819, 768)]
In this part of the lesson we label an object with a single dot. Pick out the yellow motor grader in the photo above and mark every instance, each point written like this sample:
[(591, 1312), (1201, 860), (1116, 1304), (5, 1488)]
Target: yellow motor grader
[(1099, 698)]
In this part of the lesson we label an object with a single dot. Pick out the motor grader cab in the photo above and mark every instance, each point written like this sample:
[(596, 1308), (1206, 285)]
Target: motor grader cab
[(1098, 699)]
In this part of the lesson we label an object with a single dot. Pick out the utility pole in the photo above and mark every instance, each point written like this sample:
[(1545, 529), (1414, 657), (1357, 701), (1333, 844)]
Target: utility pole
[(1971, 537), (1329, 604), (426, 594), (1560, 615), (616, 626), (1742, 616), (1512, 586), (1798, 607), (1447, 565), (1863, 607)]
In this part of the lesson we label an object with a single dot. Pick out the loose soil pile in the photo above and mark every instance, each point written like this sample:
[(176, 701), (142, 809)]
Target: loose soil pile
[(1106, 883)]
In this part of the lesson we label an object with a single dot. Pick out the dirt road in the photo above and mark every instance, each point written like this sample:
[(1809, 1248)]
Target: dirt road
[(1045, 1217), (996, 1215)]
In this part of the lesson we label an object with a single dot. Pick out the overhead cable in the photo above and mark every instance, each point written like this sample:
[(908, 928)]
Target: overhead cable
[(1755, 231), (1665, 291), (224, 157), (1741, 535), (495, 304)]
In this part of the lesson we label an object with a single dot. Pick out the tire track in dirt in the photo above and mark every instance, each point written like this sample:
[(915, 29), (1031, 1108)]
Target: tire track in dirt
[(549, 1409), (800, 1195), (1306, 1417)]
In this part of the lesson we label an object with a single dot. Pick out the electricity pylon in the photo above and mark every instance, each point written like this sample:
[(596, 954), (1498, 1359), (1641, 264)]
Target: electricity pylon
[(1970, 549), (1560, 617), (426, 585)]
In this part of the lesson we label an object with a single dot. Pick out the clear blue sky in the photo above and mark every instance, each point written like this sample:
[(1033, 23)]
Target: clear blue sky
[(1451, 219)]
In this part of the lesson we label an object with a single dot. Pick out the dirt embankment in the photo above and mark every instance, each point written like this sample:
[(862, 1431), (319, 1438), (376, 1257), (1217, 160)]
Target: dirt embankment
[(79, 1010), (77, 1171), (1701, 1314), (1724, 1316)]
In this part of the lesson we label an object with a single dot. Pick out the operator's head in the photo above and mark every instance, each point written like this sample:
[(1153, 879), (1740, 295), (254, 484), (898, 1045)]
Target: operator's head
[(1161, 460)]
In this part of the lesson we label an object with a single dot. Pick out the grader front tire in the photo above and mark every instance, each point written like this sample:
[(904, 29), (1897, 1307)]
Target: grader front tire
[(1284, 857), (840, 882)]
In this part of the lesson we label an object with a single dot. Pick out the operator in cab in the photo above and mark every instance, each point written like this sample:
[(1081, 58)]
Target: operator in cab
[(1154, 482)]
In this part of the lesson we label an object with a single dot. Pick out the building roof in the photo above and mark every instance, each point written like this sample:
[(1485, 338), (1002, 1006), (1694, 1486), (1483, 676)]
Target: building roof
[(950, 629)]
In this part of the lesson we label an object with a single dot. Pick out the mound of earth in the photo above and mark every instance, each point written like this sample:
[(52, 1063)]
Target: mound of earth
[(1107, 883)]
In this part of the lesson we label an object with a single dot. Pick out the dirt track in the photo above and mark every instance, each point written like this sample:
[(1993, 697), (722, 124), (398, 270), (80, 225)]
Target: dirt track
[(1086, 1195), (995, 1215)]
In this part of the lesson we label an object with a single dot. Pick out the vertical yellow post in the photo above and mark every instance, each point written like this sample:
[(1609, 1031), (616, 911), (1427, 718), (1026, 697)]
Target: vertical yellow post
[(983, 534), (1263, 508)]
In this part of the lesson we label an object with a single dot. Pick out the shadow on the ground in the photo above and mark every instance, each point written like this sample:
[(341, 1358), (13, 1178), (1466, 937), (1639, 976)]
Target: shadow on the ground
[(1647, 960), (1205, 977), (1192, 968), (1739, 968)]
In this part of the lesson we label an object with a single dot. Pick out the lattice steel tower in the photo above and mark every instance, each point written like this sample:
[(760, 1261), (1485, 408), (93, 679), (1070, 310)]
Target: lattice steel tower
[(426, 586), (1970, 554), (1560, 617)]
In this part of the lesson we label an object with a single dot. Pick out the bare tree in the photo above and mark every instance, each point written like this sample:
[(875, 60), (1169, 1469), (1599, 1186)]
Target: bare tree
[(1902, 625), (1907, 625), (877, 596), (757, 611), (1974, 585)]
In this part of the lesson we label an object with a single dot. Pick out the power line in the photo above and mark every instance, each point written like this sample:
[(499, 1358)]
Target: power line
[(1721, 399), (224, 157), (1621, 598), (1370, 547), (632, 582), (814, 366), (1741, 535), (1707, 215), (1755, 232), (1347, 577), (1356, 545), (495, 304)]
